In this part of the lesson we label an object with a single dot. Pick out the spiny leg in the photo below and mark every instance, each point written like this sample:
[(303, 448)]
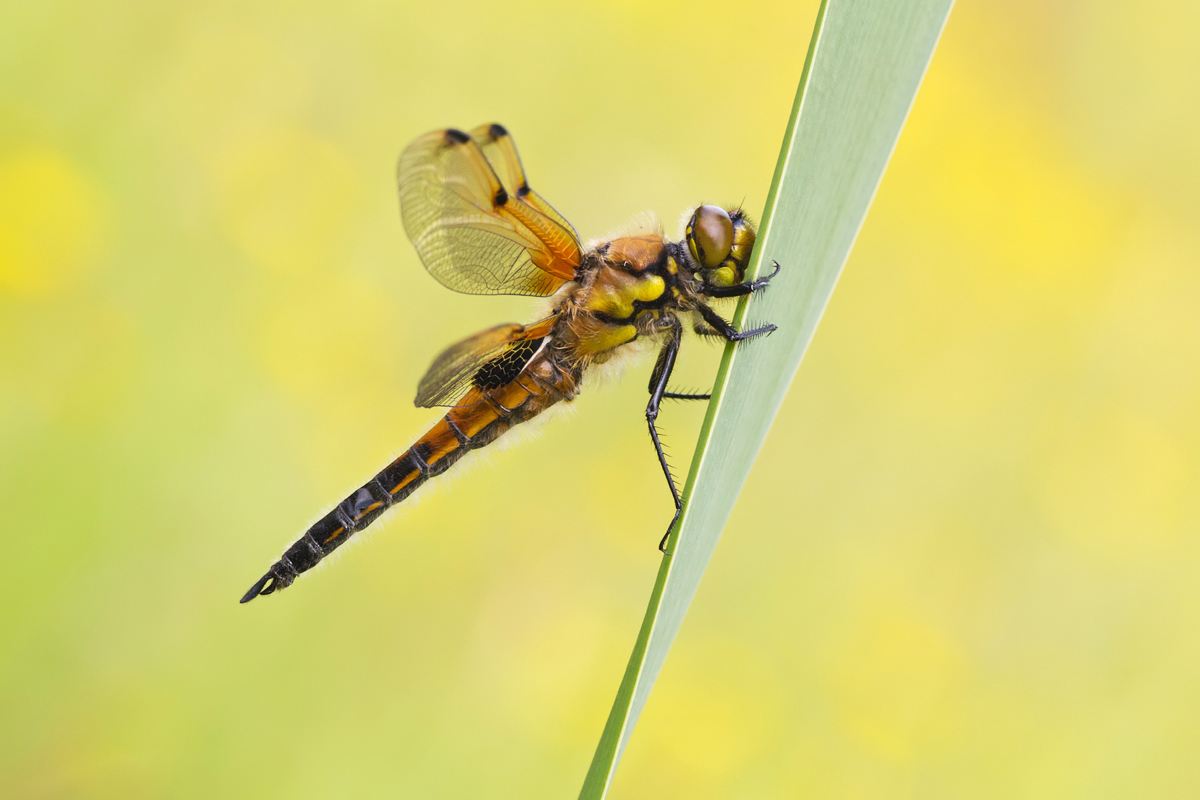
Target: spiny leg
[(678, 395), (727, 331), (716, 327), (739, 289), (674, 395), (662, 374), (658, 386), (706, 331)]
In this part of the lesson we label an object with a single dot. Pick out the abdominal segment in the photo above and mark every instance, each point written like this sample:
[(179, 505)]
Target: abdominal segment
[(482, 416)]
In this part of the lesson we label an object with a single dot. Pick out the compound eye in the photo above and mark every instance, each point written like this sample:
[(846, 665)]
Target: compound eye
[(710, 235)]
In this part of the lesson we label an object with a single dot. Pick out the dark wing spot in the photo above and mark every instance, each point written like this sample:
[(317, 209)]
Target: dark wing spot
[(524, 190), (504, 368), (497, 131), (501, 197), (454, 136)]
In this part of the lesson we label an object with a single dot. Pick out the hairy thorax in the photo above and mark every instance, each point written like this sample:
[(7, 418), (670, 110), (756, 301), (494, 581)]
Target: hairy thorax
[(626, 286)]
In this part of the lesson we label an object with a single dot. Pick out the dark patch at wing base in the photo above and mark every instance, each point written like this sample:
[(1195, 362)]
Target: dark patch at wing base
[(502, 369)]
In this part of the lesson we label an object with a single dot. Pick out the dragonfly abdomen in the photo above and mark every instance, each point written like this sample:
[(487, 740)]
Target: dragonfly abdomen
[(481, 417)]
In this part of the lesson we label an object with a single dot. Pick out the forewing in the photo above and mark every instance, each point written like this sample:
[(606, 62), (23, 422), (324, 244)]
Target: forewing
[(471, 233), (488, 359), (501, 152)]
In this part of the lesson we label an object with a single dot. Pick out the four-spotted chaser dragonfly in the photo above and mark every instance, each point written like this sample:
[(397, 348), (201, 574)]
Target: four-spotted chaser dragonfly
[(480, 229)]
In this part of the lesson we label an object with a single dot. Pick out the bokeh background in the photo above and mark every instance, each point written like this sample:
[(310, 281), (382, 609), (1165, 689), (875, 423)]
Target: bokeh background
[(965, 564)]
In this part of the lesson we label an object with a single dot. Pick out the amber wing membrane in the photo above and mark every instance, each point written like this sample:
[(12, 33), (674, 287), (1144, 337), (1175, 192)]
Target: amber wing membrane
[(501, 152), (489, 359), (473, 233)]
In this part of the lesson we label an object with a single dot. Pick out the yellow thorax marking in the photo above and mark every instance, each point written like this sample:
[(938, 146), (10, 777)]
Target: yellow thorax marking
[(614, 297), (606, 337)]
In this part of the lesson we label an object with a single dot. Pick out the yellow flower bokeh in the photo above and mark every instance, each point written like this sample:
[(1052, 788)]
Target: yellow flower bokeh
[(49, 222)]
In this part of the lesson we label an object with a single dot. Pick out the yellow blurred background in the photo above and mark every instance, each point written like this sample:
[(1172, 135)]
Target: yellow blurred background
[(965, 564)]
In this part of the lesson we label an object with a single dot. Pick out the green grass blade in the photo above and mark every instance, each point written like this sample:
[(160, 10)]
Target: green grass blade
[(865, 63)]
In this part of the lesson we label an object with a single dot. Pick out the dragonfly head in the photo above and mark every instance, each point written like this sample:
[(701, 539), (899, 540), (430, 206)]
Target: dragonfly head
[(719, 243)]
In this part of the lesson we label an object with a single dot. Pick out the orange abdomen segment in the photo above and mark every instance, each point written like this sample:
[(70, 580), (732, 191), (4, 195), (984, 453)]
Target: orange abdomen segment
[(479, 419)]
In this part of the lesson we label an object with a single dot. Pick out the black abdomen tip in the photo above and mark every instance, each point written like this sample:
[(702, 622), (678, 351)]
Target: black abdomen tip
[(257, 588)]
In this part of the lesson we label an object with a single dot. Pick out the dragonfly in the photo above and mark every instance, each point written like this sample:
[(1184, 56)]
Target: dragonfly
[(479, 228)]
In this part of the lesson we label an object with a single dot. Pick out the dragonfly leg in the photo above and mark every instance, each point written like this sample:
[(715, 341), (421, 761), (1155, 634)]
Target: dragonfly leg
[(727, 331), (660, 365), (658, 390), (706, 331), (739, 289)]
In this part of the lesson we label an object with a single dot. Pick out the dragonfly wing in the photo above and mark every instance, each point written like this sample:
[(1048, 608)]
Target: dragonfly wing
[(472, 233), (501, 152), (488, 360)]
